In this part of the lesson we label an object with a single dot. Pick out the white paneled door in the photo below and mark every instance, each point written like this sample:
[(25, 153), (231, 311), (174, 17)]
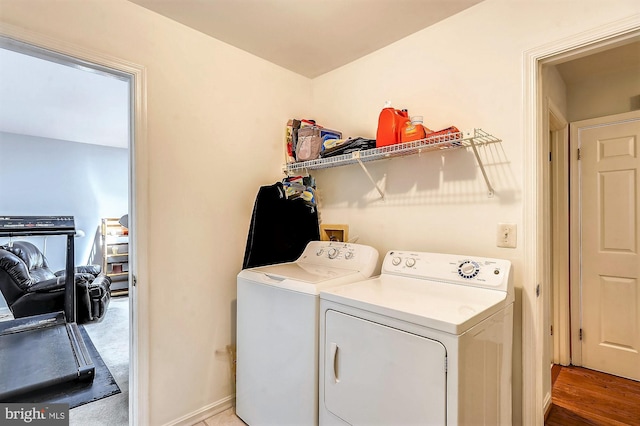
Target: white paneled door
[(609, 231)]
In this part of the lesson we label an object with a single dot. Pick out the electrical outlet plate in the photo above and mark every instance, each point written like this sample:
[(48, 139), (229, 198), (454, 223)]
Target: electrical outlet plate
[(506, 236)]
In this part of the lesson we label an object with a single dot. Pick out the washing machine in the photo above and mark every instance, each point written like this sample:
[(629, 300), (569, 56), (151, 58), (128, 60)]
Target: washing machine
[(277, 331), (428, 342)]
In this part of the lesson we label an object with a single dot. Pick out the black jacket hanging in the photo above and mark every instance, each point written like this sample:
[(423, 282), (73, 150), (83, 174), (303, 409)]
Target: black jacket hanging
[(280, 229)]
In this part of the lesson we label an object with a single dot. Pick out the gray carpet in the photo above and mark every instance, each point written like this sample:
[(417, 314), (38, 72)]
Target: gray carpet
[(111, 339)]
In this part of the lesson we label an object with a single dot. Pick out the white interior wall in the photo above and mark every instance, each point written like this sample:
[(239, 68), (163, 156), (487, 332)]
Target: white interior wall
[(215, 129), (603, 95), (554, 87), (466, 71), (62, 177)]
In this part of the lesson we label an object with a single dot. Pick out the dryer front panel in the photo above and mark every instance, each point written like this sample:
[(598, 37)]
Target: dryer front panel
[(378, 375)]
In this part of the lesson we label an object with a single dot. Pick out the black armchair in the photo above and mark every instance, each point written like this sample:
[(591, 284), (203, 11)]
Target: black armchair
[(31, 288)]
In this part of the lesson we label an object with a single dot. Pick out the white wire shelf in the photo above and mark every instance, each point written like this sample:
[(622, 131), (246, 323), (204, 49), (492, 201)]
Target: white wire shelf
[(436, 143), (450, 141)]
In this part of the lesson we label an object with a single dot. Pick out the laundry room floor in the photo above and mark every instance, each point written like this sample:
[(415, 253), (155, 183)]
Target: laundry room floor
[(581, 397), (226, 418)]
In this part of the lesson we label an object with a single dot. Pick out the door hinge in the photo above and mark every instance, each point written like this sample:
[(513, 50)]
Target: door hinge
[(579, 156), (552, 330), (549, 155), (538, 290), (446, 364), (134, 279), (580, 334)]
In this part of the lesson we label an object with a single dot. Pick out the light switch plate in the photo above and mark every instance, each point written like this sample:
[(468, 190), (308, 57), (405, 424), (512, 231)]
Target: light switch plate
[(507, 235)]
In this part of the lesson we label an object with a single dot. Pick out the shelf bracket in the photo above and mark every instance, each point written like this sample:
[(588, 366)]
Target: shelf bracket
[(484, 173), (356, 155)]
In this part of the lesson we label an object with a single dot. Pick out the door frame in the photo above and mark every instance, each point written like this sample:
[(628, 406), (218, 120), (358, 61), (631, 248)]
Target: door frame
[(554, 130), (535, 158), (558, 129), (138, 205), (576, 222)]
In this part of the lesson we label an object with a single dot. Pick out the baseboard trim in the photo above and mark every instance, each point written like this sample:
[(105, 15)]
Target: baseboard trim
[(547, 404), (204, 412)]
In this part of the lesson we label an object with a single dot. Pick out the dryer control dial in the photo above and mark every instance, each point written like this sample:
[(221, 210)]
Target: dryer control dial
[(348, 255), (396, 261), (468, 269), (410, 262), (319, 252)]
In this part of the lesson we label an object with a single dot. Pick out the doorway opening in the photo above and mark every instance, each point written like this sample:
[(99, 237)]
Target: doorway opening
[(536, 347), (95, 163), (569, 79)]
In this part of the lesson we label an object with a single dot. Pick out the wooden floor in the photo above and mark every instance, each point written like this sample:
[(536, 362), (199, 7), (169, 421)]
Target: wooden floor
[(587, 397)]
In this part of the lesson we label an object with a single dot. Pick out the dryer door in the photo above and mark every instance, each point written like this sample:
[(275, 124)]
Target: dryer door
[(378, 375)]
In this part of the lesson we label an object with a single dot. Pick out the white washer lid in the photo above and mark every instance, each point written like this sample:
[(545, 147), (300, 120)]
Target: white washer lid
[(308, 273), (306, 278), (447, 307)]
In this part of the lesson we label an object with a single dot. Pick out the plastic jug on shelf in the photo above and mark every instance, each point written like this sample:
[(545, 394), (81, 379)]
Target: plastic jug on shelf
[(413, 130), (390, 123)]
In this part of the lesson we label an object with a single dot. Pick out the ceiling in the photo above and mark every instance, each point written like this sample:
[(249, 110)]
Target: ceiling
[(331, 32), (50, 100)]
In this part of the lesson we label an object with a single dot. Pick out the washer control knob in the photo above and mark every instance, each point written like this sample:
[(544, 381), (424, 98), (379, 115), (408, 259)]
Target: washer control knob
[(396, 261), (348, 255), (319, 252), (410, 262), (333, 253)]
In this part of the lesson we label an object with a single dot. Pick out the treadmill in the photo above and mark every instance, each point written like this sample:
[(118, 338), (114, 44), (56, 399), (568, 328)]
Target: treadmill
[(43, 351)]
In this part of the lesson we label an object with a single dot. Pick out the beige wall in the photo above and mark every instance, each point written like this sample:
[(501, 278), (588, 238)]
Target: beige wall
[(215, 128), (466, 71), (554, 88), (603, 95)]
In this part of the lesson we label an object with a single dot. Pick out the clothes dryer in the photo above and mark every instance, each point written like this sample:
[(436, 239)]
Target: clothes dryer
[(277, 331), (428, 342)]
